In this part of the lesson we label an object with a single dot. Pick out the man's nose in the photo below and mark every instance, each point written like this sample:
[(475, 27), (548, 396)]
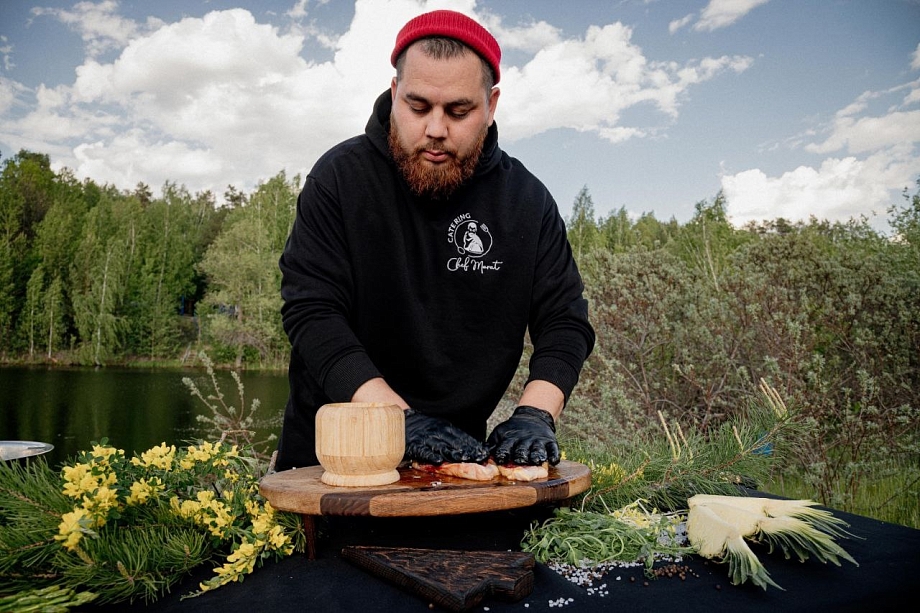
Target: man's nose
[(437, 125)]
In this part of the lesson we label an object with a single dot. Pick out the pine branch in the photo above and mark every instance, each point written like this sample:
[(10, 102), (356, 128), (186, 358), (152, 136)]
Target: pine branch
[(669, 469)]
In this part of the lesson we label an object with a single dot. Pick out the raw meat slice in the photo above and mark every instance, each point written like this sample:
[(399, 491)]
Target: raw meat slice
[(518, 472), (463, 470)]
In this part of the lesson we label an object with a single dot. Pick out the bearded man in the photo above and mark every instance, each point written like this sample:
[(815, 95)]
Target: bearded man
[(383, 303)]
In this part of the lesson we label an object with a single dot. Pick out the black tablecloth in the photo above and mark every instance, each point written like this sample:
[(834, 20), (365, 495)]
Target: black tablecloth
[(884, 580)]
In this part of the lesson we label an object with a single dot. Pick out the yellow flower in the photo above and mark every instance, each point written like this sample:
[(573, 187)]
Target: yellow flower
[(75, 473), (88, 483), (222, 499), (245, 551), (106, 497), (195, 454), (636, 515), (99, 503), (161, 456), (141, 491), (102, 455), (612, 472), (220, 520), (76, 478), (261, 524), (188, 509), (72, 527), (277, 538)]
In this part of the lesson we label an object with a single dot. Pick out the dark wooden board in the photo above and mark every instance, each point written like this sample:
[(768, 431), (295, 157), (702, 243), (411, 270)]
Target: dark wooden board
[(418, 493), (454, 580)]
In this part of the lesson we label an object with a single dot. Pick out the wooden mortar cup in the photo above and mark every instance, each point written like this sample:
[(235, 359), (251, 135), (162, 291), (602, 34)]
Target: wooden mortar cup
[(360, 443)]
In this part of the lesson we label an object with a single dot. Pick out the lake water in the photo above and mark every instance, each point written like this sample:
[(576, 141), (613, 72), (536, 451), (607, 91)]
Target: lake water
[(134, 408)]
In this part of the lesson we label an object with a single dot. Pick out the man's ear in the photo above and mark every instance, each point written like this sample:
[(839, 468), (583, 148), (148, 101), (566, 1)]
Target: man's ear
[(493, 102)]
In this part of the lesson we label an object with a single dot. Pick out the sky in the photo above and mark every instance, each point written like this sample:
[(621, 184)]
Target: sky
[(790, 108)]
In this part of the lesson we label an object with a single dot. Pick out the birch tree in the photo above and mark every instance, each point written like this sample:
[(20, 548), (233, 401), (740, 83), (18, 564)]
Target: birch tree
[(582, 227), (102, 261), (30, 318), (53, 316)]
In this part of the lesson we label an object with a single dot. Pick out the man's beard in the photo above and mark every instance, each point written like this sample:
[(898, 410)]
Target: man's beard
[(435, 181)]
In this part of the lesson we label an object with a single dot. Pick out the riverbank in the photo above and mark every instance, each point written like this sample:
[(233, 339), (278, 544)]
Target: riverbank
[(190, 361)]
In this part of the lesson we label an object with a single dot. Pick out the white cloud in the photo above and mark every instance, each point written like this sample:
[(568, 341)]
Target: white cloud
[(299, 10), (677, 24), (223, 99), (912, 97), (10, 92), (882, 158), (118, 161), (870, 133), (717, 14), (915, 58), (855, 130), (609, 74), (6, 52), (209, 101), (529, 38), (722, 13), (99, 25), (838, 189)]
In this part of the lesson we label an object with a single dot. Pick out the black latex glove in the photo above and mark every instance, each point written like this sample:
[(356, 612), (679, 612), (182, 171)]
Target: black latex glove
[(528, 437), (433, 440)]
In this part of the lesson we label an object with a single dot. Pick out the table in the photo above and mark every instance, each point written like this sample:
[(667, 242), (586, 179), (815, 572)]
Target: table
[(885, 578)]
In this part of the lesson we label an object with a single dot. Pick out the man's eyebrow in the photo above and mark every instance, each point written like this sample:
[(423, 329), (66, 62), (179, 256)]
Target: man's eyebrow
[(452, 104)]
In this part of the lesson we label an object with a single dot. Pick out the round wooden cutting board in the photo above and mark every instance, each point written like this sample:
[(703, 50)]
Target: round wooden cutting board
[(419, 493)]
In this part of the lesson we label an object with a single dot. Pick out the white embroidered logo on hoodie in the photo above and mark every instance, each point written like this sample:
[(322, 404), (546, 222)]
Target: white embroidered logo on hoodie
[(473, 240)]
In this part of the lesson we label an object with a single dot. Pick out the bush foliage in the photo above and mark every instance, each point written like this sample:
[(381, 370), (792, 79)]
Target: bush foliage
[(689, 318)]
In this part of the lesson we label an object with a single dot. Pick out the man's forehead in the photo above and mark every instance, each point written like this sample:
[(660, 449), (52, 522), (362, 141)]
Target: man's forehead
[(455, 80)]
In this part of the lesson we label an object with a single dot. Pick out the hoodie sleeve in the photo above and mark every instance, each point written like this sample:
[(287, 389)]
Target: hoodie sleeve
[(559, 328), (317, 288)]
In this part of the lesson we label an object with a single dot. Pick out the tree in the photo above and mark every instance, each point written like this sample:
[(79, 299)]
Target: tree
[(709, 239), (53, 316), (29, 319), (100, 273), (582, 227), (163, 268), (42, 319), (26, 187), (616, 230), (244, 283)]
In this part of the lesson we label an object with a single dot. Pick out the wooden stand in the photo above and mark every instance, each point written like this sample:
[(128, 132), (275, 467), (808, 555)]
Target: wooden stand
[(454, 580)]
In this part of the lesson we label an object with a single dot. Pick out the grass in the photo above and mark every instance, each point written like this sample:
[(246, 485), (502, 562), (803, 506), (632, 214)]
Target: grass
[(888, 492)]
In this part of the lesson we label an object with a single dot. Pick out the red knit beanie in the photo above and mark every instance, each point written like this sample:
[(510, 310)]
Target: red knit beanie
[(452, 25)]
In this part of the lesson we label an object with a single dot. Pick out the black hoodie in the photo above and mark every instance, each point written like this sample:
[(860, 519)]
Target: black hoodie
[(434, 296)]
